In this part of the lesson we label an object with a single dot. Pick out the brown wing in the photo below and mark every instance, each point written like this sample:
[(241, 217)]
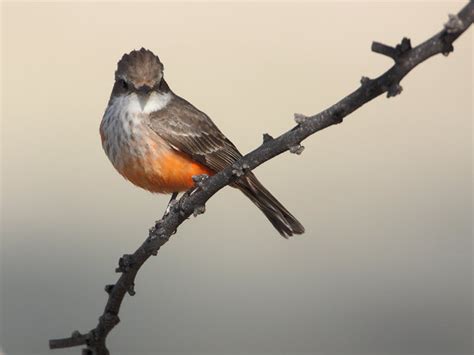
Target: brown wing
[(192, 132)]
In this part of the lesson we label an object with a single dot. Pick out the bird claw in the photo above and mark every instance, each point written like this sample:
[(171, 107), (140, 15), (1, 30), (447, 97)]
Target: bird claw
[(171, 207)]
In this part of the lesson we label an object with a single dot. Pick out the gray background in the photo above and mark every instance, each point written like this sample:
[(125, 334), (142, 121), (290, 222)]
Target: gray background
[(385, 265)]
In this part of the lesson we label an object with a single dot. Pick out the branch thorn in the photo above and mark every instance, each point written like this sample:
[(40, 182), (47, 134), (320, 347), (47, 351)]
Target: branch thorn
[(267, 138)]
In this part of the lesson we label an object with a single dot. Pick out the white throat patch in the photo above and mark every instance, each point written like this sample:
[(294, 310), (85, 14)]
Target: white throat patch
[(155, 102), (124, 127)]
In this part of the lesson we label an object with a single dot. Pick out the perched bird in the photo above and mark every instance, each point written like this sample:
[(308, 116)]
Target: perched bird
[(159, 141)]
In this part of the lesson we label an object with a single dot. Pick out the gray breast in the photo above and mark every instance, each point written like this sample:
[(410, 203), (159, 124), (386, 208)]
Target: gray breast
[(126, 135)]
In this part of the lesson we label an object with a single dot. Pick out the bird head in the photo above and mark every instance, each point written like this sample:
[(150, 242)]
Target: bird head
[(139, 72)]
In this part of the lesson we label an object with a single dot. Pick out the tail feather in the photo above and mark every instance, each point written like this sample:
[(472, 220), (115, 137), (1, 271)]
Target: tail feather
[(284, 222)]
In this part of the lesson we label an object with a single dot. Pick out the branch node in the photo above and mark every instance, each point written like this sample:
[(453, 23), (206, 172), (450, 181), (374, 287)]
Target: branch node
[(267, 138), (300, 118), (125, 263), (76, 334), (338, 115), (403, 47), (109, 320), (447, 46), (131, 289), (157, 231), (394, 90), (296, 149), (93, 336), (394, 53), (239, 170), (364, 80), (109, 288), (454, 24), (199, 210)]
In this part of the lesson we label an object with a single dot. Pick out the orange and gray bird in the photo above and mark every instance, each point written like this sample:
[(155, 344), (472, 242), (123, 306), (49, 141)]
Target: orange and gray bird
[(159, 141)]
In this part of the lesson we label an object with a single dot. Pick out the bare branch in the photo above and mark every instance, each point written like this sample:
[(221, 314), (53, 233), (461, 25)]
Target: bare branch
[(193, 202), (394, 53)]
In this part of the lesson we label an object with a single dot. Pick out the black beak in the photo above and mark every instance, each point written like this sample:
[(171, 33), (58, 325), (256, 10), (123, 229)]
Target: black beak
[(143, 94)]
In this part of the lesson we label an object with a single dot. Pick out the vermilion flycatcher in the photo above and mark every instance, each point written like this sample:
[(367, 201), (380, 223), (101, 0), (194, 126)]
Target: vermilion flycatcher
[(159, 141)]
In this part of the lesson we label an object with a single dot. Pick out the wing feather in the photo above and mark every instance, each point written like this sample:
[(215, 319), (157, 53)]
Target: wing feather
[(192, 132)]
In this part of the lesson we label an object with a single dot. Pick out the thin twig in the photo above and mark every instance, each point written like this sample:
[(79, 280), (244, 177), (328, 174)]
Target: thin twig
[(405, 57)]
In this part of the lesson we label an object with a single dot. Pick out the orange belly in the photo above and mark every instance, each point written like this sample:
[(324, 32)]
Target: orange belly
[(166, 172)]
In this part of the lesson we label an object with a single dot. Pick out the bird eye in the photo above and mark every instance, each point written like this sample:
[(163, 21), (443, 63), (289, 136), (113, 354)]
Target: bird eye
[(123, 84)]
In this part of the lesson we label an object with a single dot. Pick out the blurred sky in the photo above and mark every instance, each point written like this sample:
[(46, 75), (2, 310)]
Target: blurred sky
[(386, 198)]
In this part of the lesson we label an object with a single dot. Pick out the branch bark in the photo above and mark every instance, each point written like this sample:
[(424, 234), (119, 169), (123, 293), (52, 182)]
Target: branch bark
[(192, 203)]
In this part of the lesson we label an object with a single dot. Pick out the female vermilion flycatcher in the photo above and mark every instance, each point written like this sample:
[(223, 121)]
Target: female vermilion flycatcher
[(159, 141)]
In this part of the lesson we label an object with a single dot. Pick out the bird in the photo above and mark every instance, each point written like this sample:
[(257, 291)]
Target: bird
[(158, 141)]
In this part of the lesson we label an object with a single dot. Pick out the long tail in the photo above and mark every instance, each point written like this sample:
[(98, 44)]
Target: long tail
[(282, 220)]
